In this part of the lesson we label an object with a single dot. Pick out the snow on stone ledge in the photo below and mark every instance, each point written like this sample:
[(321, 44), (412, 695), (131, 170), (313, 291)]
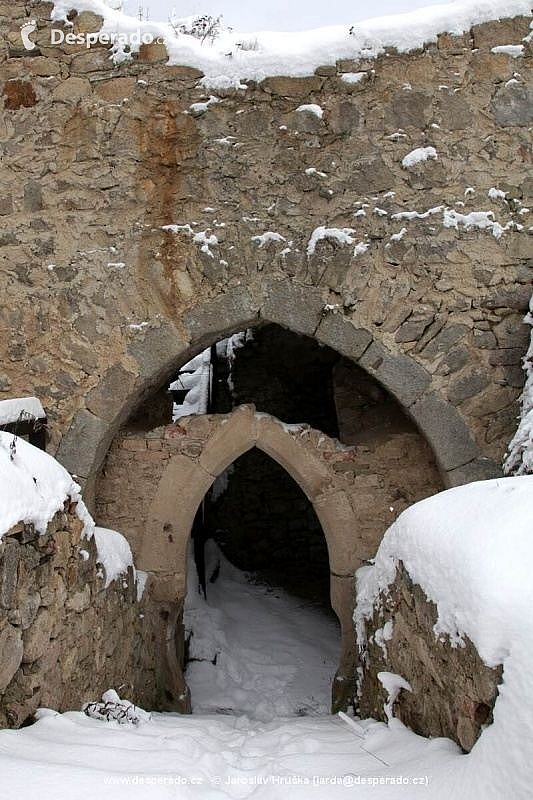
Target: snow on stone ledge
[(299, 54), (418, 156), (11, 410), (470, 549), (114, 553)]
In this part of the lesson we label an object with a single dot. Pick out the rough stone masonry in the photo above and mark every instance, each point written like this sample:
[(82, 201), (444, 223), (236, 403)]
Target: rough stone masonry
[(101, 302), (134, 221)]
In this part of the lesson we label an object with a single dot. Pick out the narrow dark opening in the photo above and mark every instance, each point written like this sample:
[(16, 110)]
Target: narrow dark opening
[(264, 523)]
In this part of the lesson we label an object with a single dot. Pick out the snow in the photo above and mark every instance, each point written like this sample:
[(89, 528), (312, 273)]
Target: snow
[(114, 553), (353, 77), (142, 579), (418, 156), (178, 228), (397, 237), (340, 235), (519, 460), (195, 377), (410, 215), (299, 54), (361, 248), (33, 485), (20, 408), (314, 171), (513, 50), (274, 655), (268, 236), (312, 108), (470, 549), (482, 220), (206, 241), (72, 756), (393, 685), (201, 108)]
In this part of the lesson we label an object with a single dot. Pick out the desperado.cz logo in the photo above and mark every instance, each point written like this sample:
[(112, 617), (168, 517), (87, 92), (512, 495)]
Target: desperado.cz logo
[(25, 31), (133, 39)]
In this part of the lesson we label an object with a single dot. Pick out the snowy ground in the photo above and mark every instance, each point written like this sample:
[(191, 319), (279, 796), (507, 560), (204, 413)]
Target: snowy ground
[(275, 655), (470, 548), (73, 757), (275, 662)]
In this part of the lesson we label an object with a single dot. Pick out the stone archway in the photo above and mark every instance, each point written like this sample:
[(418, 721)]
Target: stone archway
[(156, 352), (168, 472)]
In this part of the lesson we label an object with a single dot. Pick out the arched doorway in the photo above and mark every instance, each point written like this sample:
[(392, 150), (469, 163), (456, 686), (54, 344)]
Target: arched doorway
[(261, 636), (157, 351)]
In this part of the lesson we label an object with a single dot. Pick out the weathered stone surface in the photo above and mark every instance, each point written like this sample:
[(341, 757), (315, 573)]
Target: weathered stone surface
[(293, 306), (401, 376), (453, 691), (120, 170), (105, 400), (513, 106), (467, 385), (72, 90), (480, 469), (292, 87), (229, 313), (11, 649), (65, 637), (36, 639), (342, 335), (89, 429), (445, 430)]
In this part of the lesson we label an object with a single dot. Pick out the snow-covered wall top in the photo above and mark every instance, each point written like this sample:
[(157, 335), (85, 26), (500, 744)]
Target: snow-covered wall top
[(233, 57), (20, 408), (34, 487)]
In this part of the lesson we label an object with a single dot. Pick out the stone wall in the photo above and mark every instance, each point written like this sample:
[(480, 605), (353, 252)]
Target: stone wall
[(101, 304), (453, 691), (64, 637)]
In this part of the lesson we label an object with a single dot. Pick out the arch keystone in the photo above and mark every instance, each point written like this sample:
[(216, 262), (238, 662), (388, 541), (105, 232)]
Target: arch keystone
[(234, 435)]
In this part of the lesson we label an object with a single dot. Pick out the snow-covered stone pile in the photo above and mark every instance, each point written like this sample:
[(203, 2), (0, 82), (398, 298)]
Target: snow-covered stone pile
[(519, 460), (69, 613), (34, 487), (470, 550)]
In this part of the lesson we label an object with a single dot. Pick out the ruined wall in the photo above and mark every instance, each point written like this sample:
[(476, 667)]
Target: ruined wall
[(453, 690), (64, 637), (100, 304), (380, 483)]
